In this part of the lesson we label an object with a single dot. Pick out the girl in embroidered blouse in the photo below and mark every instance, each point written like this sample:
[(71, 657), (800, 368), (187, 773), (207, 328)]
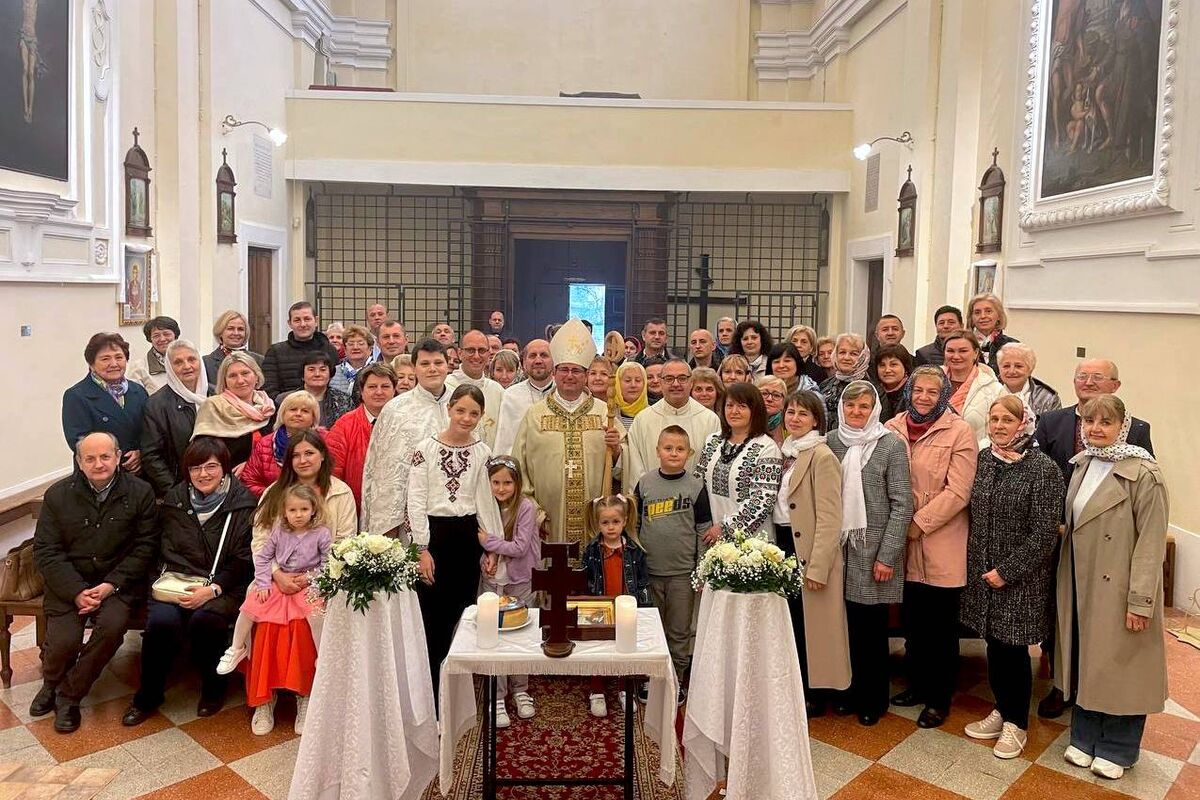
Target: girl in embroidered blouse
[(508, 565), (449, 501), (299, 543)]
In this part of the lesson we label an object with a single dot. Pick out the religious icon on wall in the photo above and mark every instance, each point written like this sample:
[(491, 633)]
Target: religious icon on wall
[(136, 288), (35, 76), (985, 278), (906, 225), (137, 190), (226, 221), (1100, 93), (991, 208)]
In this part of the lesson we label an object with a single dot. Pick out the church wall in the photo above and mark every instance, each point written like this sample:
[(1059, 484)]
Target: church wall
[(679, 49)]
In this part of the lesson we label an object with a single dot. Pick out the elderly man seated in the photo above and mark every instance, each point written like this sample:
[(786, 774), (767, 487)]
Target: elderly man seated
[(94, 543)]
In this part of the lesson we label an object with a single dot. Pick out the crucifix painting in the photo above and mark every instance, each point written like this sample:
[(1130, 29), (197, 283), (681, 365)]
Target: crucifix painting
[(34, 86)]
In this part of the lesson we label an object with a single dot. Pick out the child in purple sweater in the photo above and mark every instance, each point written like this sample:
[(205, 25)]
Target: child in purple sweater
[(508, 566), (298, 543)]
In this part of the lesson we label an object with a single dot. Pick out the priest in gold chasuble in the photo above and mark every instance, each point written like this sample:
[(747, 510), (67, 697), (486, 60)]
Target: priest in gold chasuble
[(563, 441)]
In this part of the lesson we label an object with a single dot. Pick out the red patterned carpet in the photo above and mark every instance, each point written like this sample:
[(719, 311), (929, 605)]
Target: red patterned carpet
[(562, 740)]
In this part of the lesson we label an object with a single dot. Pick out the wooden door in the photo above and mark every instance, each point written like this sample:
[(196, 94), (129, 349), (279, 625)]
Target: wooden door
[(546, 269), (260, 283), (874, 295)]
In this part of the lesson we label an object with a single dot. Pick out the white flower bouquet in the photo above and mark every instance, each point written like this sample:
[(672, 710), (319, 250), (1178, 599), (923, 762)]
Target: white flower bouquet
[(741, 563), (361, 566)]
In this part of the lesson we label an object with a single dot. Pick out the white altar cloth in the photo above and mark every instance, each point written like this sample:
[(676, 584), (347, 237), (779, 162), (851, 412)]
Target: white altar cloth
[(520, 653), (746, 702), (371, 733)]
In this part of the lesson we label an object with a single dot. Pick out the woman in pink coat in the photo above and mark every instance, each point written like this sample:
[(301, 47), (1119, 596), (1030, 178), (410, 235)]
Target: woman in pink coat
[(943, 455)]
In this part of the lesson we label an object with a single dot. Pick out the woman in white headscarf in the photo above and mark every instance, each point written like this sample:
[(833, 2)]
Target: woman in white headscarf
[(877, 507), (171, 415), (1110, 654)]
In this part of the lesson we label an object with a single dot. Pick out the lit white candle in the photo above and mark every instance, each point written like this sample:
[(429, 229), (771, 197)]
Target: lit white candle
[(626, 608), (487, 621)]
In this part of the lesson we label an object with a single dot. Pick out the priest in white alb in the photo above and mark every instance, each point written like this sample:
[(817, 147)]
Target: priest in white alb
[(676, 408), (520, 397), (474, 351), (400, 426), (564, 440)]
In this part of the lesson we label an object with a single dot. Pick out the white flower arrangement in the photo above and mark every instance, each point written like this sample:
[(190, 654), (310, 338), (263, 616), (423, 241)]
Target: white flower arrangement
[(360, 566), (741, 563)]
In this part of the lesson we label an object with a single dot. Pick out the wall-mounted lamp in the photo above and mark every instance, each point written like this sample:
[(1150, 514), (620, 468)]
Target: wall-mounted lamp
[(277, 136), (862, 151)]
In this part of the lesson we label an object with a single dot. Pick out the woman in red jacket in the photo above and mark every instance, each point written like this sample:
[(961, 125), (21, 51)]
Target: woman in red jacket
[(298, 411), (350, 435)]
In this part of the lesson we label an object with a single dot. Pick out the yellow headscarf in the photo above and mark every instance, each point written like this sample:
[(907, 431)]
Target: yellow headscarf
[(639, 405)]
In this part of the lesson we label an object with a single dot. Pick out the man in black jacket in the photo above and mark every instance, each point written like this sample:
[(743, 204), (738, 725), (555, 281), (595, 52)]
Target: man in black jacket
[(283, 364), (946, 320), (1058, 435), (94, 543)]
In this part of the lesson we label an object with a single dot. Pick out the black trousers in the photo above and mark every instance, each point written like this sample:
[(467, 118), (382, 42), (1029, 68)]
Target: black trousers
[(69, 665), (868, 631), (930, 617), (1010, 675), (455, 549), (168, 628)]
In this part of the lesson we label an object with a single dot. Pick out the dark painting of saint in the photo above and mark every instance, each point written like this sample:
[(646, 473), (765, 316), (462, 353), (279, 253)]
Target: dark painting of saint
[(1101, 93)]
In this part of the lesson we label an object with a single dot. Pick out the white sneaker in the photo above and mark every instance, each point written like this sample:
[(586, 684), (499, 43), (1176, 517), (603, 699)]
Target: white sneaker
[(597, 705), (1107, 769), (301, 713), (1011, 743), (990, 727), (263, 721), (231, 658), (525, 709), (1077, 757), (502, 720)]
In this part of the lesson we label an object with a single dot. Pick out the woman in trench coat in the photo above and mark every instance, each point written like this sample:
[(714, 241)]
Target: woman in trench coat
[(808, 522), (1111, 653)]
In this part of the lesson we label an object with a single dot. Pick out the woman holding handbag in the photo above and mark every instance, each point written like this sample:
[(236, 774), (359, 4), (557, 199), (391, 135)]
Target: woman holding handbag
[(205, 556)]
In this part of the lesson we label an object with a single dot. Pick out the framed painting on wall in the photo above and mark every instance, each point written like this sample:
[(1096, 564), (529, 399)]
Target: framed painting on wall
[(136, 287), (35, 88), (1100, 94)]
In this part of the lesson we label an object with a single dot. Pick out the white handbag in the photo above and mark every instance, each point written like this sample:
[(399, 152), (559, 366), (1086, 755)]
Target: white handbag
[(171, 587)]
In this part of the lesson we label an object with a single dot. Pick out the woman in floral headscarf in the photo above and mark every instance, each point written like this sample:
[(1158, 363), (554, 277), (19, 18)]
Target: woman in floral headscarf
[(1016, 505), (851, 359), (1110, 593)]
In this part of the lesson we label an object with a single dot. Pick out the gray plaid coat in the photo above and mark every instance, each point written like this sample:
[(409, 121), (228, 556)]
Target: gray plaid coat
[(888, 494)]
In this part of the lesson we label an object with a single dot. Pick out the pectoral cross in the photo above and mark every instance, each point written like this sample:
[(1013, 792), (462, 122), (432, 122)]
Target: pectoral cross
[(559, 582)]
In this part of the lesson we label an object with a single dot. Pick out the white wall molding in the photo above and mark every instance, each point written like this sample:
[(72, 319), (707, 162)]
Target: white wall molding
[(351, 42), (791, 55), (541, 100), (1104, 306), (1137, 250), (269, 237), (858, 253)]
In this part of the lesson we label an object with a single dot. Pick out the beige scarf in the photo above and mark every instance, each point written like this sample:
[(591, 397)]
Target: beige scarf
[(227, 417)]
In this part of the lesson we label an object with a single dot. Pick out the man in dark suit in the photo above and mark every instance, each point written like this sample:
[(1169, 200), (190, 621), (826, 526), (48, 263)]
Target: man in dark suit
[(1058, 434)]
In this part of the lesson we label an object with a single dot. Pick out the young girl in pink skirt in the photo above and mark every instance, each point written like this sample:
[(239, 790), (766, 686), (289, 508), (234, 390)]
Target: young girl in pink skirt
[(298, 543)]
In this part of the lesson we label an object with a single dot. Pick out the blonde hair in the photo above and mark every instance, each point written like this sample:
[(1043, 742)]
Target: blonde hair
[(734, 360), (309, 495), (808, 332), (1021, 351), (402, 360), (858, 341), (1103, 404), (997, 303), (771, 379), (298, 398), (359, 331), (222, 322), (823, 341), (336, 327), (591, 514), (709, 375), (1011, 403), (239, 357)]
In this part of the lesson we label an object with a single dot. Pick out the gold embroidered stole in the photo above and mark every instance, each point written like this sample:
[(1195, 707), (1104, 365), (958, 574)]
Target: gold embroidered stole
[(572, 426)]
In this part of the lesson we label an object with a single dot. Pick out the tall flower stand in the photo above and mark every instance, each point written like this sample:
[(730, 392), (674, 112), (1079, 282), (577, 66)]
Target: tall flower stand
[(371, 733), (746, 702)]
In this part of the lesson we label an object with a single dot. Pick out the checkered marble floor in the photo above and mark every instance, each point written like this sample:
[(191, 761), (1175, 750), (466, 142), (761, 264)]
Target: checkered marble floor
[(178, 756)]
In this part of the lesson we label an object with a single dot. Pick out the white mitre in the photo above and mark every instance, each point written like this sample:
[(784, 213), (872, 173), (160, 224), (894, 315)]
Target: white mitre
[(573, 344)]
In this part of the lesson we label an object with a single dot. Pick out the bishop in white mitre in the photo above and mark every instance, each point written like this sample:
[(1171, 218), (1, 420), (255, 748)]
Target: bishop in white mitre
[(475, 353), (402, 423), (563, 441), (676, 408), (521, 396)]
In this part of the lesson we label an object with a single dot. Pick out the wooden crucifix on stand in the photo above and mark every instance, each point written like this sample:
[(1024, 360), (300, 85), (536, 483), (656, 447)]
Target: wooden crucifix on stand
[(559, 582)]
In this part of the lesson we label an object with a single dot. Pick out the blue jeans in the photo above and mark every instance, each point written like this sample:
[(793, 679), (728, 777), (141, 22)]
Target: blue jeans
[(1112, 737), (168, 626)]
